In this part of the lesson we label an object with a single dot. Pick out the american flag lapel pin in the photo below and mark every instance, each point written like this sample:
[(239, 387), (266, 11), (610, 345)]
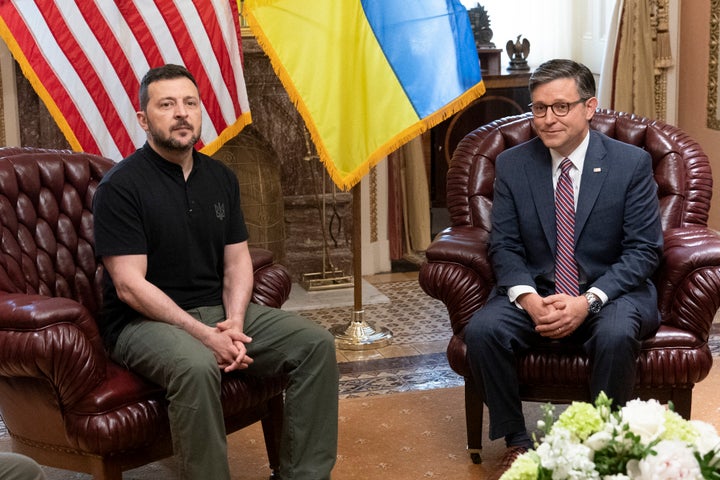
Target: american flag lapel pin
[(597, 170)]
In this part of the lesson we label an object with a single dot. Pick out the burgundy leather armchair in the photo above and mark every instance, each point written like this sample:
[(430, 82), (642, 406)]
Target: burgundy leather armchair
[(458, 271), (64, 402)]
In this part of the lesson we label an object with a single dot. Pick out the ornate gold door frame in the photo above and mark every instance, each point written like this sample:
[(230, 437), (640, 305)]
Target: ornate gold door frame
[(713, 114)]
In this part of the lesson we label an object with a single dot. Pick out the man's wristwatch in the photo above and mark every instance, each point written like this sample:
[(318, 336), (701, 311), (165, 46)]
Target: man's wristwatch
[(594, 302)]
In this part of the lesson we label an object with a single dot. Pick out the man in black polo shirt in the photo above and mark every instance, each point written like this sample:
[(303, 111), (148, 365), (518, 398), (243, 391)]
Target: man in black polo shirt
[(172, 238)]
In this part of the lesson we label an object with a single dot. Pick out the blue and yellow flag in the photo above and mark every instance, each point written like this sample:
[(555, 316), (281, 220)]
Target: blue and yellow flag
[(368, 75)]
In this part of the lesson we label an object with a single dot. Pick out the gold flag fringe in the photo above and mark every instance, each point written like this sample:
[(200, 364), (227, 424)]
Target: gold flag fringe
[(227, 134), (400, 139)]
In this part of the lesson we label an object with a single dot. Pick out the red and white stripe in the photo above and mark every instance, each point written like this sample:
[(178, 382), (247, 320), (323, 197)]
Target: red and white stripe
[(86, 58), (566, 269)]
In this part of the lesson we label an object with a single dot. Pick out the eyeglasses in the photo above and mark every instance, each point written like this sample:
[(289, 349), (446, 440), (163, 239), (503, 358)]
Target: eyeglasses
[(560, 109)]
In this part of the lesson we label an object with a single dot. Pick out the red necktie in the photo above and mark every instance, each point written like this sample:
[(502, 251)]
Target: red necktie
[(566, 271)]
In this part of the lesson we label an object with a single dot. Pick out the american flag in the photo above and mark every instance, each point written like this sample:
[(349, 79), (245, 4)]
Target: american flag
[(85, 59)]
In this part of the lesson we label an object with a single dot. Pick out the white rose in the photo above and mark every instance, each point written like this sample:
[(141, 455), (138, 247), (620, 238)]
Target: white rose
[(646, 419), (673, 461), (708, 438)]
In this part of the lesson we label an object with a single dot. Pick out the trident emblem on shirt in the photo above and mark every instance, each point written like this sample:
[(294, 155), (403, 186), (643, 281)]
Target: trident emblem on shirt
[(220, 210)]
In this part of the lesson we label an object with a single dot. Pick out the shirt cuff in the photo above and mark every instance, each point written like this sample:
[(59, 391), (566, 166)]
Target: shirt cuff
[(600, 294), (514, 293)]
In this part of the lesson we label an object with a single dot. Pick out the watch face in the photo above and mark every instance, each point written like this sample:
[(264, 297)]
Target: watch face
[(594, 305)]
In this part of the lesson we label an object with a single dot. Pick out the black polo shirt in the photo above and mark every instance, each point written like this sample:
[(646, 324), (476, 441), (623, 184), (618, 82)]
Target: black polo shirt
[(145, 206)]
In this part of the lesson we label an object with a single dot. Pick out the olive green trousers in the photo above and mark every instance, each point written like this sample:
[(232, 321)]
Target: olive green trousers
[(282, 342)]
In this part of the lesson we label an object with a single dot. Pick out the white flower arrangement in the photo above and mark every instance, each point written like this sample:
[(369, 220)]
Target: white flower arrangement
[(643, 440)]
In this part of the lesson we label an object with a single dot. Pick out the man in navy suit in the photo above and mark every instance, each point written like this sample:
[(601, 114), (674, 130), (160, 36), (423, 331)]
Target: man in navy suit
[(617, 246)]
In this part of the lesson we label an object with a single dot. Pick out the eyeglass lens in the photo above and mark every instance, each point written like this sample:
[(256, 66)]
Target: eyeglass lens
[(560, 109)]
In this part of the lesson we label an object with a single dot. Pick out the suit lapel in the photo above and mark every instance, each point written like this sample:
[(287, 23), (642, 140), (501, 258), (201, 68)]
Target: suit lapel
[(594, 173), (538, 169)]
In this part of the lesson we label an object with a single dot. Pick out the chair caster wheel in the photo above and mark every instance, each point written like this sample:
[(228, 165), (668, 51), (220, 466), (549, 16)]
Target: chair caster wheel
[(475, 457)]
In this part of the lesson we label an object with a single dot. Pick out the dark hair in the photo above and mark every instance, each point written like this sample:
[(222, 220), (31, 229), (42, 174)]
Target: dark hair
[(166, 72), (559, 68)]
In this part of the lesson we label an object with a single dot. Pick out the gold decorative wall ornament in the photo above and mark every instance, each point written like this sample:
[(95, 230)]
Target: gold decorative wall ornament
[(713, 114), (660, 21)]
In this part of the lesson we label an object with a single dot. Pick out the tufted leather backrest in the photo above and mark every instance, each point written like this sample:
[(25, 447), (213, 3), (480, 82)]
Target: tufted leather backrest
[(47, 244), (682, 170)]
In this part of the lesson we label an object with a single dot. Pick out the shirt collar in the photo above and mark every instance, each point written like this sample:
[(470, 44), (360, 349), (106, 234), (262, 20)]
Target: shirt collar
[(577, 156), (165, 165)]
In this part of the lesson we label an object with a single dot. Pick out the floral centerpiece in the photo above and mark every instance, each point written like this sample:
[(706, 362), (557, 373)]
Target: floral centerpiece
[(643, 440)]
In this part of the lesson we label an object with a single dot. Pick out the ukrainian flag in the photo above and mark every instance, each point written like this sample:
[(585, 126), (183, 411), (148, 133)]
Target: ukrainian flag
[(368, 75)]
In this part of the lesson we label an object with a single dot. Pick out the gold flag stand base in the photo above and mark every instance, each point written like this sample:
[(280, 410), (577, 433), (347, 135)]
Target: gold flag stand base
[(326, 280), (360, 335)]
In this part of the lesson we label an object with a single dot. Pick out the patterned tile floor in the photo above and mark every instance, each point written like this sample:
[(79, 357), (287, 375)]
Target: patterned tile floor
[(415, 358), (397, 374)]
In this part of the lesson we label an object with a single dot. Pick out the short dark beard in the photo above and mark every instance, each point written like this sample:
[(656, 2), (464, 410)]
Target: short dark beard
[(169, 143), (172, 144)]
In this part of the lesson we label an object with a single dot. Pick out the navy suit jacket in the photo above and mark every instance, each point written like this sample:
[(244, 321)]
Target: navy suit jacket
[(618, 233)]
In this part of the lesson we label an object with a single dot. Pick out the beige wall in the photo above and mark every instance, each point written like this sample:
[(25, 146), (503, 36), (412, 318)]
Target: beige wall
[(693, 90)]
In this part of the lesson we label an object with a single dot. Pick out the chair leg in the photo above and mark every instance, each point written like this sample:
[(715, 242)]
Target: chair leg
[(107, 471), (473, 418), (682, 402), (272, 431)]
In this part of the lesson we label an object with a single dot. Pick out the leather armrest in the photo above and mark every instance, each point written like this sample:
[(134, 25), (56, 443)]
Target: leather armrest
[(688, 281), (457, 272), (464, 245), (272, 280), (54, 339)]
